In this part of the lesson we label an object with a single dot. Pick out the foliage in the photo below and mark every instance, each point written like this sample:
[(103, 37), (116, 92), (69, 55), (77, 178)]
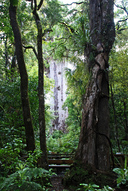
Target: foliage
[(88, 176), (9, 159), (65, 36), (70, 44), (32, 159), (118, 81), (11, 110), (52, 13), (12, 133), (60, 142), (122, 176), (88, 187), (93, 187), (10, 114), (74, 36), (27, 179), (16, 158), (121, 15)]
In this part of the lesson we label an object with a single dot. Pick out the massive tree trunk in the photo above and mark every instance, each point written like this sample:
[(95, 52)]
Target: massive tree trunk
[(30, 141), (42, 126), (94, 148)]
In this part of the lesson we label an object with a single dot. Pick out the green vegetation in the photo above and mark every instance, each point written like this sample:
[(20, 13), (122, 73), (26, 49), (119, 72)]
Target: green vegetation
[(88, 179), (94, 187), (65, 36), (27, 179)]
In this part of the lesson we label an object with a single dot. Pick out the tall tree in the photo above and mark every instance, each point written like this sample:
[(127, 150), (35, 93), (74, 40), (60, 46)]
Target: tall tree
[(93, 148), (42, 126), (30, 141)]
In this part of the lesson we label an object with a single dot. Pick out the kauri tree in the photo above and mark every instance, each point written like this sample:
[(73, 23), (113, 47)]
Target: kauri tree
[(94, 148)]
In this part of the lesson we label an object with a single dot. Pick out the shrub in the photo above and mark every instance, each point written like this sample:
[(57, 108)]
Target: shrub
[(28, 179)]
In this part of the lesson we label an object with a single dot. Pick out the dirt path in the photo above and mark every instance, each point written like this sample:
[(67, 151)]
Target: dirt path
[(56, 182)]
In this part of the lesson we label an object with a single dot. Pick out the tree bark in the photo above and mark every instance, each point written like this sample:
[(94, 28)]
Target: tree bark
[(42, 126), (30, 141), (94, 143)]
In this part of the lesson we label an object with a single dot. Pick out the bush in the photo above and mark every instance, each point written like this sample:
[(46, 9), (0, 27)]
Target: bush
[(28, 179), (9, 160)]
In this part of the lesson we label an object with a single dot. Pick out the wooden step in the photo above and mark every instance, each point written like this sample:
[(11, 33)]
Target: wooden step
[(60, 161)]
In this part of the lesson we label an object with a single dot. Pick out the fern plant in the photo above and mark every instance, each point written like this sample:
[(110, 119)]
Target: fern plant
[(28, 179)]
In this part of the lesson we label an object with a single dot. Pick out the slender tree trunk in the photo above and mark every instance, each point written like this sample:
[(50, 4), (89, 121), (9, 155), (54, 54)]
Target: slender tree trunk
[(94, 143), (30, 141), (42, 126), (6, 56)]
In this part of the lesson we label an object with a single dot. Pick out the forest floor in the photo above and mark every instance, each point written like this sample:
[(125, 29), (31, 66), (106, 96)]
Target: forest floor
[(57, 185)]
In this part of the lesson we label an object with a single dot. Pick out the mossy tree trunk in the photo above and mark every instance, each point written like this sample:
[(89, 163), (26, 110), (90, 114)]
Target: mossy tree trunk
[(30, 141), (93, 148)]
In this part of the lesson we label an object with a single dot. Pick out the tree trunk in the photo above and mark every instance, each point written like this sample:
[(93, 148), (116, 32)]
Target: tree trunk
[(42, 126), (30, 141), (6, 56), (94, 143)]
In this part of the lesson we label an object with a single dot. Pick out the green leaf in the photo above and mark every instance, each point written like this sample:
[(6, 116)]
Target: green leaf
[(95, 186), (123, 181), (119, 171), (85, 185), (119, 180)]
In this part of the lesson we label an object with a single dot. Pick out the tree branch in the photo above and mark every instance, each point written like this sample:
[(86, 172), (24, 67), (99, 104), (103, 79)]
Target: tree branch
[(70, 29), (77, 3), (123, 8), (40, 4), (46, 30), (35, 6), (31, 47)]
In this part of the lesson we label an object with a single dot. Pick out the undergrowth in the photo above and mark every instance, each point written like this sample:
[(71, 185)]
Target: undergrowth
[(86, 177), (27, 179)]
